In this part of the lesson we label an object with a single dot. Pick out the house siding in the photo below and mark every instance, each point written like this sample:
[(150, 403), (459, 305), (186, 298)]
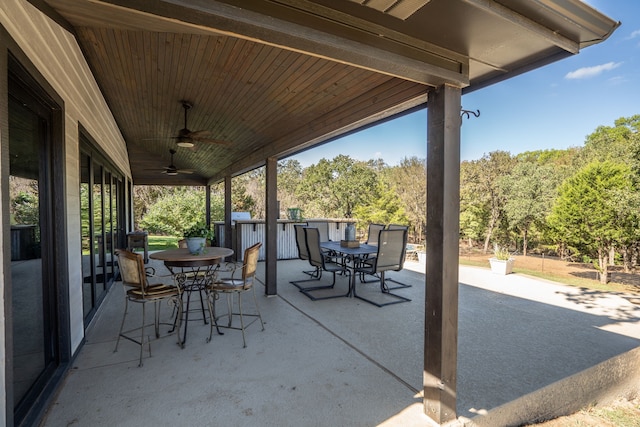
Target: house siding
[(53, 51)]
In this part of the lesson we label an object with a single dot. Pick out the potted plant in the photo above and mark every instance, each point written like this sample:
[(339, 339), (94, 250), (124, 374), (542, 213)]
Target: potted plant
[(502, 261), (197, 236)]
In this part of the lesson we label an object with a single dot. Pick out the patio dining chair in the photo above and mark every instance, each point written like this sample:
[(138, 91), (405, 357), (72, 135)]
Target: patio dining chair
[(369, 260), (372, 239), (323, 228), (138, 290), (319, 260), (390, 257), (372, 233), (303, 253), (397, 227), (241, 281)]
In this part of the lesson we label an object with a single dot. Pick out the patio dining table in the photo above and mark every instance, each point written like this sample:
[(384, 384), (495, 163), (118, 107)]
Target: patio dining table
[(353, 254), (195, 271)]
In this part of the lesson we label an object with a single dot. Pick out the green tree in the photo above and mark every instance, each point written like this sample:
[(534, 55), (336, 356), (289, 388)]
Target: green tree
[(586, 212), (384, 209), (242, 199), (409, 181), (289, 175), (529, 191), (610, 143), (336, 187), (481, 190), (145, 196), (24, 208), (173, 213)]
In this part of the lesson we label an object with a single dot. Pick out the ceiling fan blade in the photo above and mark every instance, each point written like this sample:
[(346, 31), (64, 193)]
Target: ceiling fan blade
[(199, 134), (185, 171), (212, 141)]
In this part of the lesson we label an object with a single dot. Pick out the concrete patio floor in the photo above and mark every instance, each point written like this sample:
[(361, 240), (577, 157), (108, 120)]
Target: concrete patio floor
[(344, 362)]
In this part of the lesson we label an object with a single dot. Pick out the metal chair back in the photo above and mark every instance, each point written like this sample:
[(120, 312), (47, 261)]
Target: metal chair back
[(391, 249), (250, 264), (132, 270), (301, 243), (323, 228), (397, 227), (372, 234), (312, 239)]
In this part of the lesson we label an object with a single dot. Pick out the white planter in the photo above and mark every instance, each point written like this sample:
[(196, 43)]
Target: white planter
[(499, 266), (196, 245)]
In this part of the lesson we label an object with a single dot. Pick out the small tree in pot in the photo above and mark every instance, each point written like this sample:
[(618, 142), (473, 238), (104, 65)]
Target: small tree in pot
[(197, 236)]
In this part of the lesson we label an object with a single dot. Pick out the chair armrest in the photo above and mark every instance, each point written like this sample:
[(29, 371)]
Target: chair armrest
[(235, 268), (160, 278)]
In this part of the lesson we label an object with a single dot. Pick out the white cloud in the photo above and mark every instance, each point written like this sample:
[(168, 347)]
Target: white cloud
[(618, 80), (634, 34), (586, 72)]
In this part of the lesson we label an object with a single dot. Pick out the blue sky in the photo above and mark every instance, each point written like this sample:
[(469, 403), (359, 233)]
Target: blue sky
[(556, 106)]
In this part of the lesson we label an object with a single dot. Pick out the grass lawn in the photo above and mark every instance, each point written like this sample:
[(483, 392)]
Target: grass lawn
[(560, 275), (159, 243)]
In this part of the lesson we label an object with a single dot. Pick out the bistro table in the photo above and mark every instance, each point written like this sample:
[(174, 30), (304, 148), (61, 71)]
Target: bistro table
[(353, 254), (196, 270)]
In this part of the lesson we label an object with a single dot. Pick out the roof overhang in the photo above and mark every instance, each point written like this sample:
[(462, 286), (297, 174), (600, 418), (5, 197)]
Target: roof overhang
[(272, 78)]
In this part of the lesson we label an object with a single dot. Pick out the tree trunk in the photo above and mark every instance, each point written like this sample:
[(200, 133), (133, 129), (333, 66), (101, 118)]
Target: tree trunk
[(626, 259), (612, 255), (603, 259), (524, 242), (487, 239)]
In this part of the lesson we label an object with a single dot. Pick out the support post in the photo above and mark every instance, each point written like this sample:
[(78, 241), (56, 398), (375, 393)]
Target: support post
[(207, 205), (228, 243), (442, 233), (271, 224)]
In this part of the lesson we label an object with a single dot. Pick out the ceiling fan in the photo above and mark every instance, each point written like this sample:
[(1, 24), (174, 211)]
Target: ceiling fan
[(172, 170), (187, 138)]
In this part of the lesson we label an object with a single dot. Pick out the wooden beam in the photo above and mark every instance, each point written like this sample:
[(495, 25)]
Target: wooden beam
[(317, 31), (271, 223), (386, 100), (443, 205)]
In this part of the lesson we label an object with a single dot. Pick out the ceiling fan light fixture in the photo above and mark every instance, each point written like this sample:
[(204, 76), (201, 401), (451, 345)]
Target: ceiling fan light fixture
[(172, 172), (186, 143)]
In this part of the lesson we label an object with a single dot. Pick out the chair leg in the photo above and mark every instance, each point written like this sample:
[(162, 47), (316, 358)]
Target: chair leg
[(312, 273), (255, 301), (142, 336), (400, 285), (244, 341), (177, 306), (124, 316), (307, 291), (156, 318), (211, 302), (204, 317), (385, 291), (230, 308), (231, 313), (317, 276)]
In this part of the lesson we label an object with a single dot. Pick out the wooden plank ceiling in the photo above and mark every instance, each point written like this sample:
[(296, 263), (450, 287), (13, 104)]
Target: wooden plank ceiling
[(270, 78), (247, 95)]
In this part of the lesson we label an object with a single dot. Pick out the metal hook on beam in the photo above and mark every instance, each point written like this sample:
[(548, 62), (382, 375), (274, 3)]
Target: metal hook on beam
[(468, 113)]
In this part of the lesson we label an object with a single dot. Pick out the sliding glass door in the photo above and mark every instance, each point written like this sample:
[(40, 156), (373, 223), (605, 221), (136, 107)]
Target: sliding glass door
[(35, 309), (101, 199)]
